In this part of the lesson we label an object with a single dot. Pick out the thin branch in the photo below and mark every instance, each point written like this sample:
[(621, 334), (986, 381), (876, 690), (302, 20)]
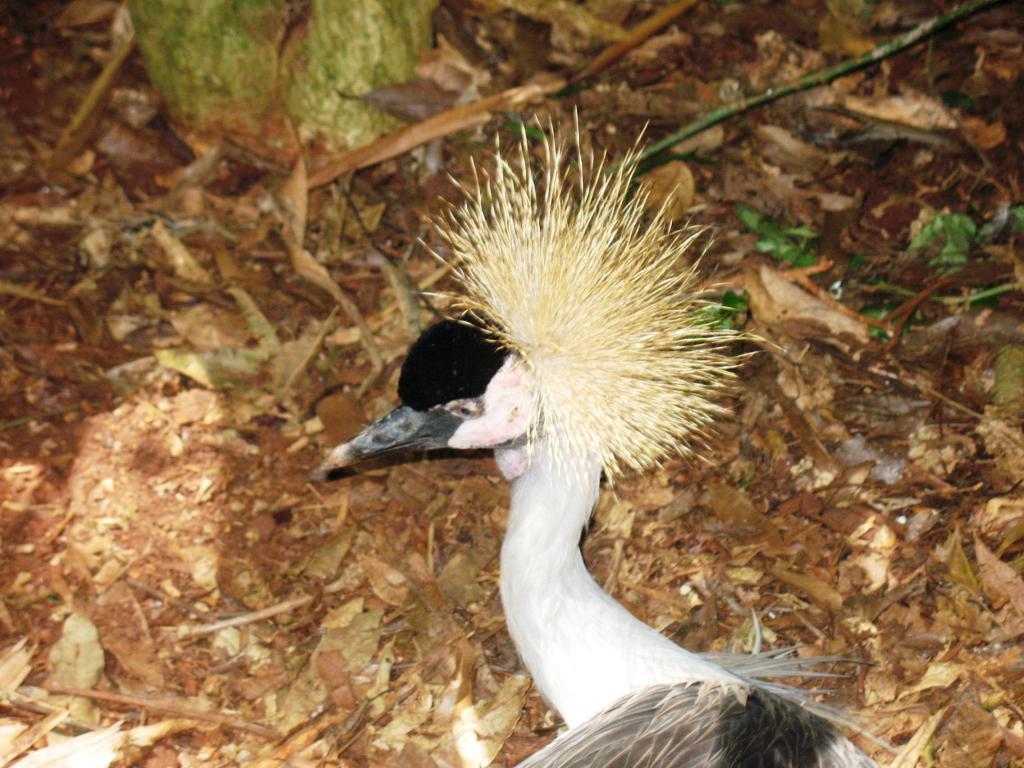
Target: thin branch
[(821, 77), (164, 705), (637, 35), (441, 124), (246, 618)]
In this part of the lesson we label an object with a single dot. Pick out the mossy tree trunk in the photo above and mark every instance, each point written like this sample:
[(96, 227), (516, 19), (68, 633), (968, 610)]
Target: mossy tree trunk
[(245, 68)]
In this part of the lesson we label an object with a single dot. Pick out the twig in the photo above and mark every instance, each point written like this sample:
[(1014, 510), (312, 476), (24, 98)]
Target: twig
[(246, 618), (18, 700), (827, 298), (441, 124), (162, 705), (74, 136), (901, 315), (821, 77), (792, 275), (637, 35), (23, 292)]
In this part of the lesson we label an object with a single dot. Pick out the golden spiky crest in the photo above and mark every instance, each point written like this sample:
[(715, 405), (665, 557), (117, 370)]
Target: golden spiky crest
[(596, 297)]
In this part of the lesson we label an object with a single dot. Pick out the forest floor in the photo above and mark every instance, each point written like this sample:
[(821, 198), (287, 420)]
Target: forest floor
[(174, 593)]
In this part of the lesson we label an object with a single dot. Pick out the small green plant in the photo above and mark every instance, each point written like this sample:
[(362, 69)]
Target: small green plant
[(952, 234), (1017, 219), (726, 314), (879, 311), (794, 245)]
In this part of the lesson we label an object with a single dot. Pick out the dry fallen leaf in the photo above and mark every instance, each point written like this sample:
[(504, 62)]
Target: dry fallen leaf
[(777, 302), (1000, 580), (908, 108), (14, 665), (821, 593), (939, 675), (984, 135), (76, 660), (124, 632), (670, 186), (97, 749)]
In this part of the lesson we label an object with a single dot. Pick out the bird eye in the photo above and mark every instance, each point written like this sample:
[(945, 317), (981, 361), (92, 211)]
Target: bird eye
[(464, 409)]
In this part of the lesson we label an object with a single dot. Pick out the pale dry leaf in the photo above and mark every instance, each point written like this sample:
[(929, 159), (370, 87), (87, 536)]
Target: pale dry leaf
[(180, 258), (10, 731), (206, 327), (348, 648), (777, 302), (911, 108), (76, 660), (939, 675), (96, 749), (480, 730), (15, 665), (460, 581), (387, 583), (148, 735), (293, 203), (217, 369), (784, 149), (325, 561)]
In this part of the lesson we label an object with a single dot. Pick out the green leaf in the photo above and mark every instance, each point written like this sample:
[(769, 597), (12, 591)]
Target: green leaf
[(954, 233), (1017, 217), (750, 218)]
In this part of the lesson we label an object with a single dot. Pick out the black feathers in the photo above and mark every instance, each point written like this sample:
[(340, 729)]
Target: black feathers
[(701, 726), (449, 361), (769, 732)]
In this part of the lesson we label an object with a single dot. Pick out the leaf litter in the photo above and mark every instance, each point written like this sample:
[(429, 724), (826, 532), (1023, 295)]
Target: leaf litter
[(180, 347)]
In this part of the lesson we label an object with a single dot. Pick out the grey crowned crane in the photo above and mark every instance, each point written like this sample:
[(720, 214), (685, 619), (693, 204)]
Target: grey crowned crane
[(580, 350)]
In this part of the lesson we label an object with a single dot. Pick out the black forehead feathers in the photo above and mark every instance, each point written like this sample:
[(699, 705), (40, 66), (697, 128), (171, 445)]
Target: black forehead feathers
[(450, 361)]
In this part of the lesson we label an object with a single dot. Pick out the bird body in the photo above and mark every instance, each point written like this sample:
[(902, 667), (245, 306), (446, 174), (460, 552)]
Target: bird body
[(583, 352)]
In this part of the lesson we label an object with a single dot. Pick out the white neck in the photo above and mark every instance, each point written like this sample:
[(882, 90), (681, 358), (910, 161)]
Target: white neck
[(584, 650)]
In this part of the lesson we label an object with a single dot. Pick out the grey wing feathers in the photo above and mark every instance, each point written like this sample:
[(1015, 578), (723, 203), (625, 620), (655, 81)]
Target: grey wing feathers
[(701, 726), (631, 733)]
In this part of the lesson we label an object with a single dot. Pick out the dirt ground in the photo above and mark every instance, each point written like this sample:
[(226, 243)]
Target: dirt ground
[(174, 593)]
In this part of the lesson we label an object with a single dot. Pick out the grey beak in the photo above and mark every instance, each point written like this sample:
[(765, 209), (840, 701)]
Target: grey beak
[(402, 428)]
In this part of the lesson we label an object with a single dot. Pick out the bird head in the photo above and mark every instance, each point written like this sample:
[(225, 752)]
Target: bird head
[(459, 389), (580, 327)]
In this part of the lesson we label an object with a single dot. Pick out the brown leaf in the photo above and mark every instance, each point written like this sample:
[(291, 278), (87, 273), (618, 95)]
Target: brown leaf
[(777, 302), (821, 593), (1000, 581), (293, 202), (387, 583), (959, 566), (124, 632), (670, 186), (179, 257), (973, 739), (984, 135)]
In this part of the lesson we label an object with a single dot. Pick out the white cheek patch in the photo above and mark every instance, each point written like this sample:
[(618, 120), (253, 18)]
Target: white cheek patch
[(507, 410)]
